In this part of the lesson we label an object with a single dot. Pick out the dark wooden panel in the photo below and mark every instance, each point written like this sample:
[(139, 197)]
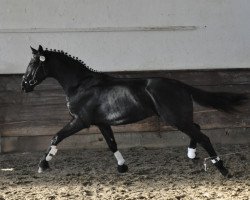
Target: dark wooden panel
[(124, 140), (13, 83), (44, 112), (22, 108), (198, 77), (192, 77), (35, 128)]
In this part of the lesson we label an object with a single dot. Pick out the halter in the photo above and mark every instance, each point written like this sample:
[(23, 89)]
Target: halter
[(33, 81)]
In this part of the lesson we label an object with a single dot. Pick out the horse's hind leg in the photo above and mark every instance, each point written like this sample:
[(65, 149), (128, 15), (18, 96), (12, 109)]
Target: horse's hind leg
[(192, 146), (193, 132), (109, 137), (177, 110), (174, 108)]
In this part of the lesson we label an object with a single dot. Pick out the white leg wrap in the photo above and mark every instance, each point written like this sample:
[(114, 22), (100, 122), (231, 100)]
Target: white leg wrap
[(119, 158), (40, 170), (51, 153), (191, 153), (215, 160)]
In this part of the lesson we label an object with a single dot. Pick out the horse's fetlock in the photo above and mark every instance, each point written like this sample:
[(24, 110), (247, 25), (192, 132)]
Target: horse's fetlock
[(191, 153), (51, 153), (119, 158)]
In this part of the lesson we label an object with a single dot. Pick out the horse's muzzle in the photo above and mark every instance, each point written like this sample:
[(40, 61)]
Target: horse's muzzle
[(26, 86)]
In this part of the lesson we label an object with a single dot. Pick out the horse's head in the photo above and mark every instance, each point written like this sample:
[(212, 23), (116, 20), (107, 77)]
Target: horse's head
[(36, 71)]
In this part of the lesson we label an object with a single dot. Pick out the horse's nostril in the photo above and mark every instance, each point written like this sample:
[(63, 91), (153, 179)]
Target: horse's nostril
[(31, 82)]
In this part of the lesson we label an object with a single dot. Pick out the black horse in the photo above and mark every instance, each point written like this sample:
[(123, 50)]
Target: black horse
[(95, 98)]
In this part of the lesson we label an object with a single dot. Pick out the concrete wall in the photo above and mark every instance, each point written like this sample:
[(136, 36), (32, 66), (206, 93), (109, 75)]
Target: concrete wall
[(116, 35)]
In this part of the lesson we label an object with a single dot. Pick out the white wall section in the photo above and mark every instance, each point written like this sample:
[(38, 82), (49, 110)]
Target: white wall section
[(117, 35)]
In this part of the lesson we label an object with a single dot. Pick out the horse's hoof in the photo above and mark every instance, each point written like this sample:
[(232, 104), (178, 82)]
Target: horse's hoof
[(122, 168), (229, 175), (225, 173), (43, 165), (222, 169), (40, 170)]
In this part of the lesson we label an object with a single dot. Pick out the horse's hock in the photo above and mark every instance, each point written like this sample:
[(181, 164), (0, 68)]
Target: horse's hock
[(28, 122)]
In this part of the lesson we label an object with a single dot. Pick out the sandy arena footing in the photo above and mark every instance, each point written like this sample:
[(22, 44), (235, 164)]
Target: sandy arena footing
[(160, 174)]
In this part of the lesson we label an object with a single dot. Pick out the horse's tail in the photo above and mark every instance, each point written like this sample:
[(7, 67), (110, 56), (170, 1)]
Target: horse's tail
[(223, 101)]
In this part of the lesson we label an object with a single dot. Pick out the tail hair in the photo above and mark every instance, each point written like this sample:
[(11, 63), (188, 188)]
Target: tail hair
[(223, 101)]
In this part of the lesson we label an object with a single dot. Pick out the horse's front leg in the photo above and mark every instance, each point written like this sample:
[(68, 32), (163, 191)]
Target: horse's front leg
[(71, 128), (109, 137)]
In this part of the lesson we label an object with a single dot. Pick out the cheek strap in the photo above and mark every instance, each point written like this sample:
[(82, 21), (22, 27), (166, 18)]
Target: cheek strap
[(33, 81)]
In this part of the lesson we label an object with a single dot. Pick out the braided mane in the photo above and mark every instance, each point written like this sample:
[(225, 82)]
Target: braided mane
[(72, 57)]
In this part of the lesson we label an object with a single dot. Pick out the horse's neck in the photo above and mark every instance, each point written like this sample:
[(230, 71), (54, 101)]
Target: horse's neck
[(70, 77)]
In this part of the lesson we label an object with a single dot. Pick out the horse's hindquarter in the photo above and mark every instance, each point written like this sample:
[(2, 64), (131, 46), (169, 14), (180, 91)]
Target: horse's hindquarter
[(123, 102)]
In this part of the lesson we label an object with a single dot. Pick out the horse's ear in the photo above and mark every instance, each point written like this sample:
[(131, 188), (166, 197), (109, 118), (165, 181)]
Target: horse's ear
[(34, 51), (40, 49)]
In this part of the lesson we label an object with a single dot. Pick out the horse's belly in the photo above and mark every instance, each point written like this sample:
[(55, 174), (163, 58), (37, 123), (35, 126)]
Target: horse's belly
[(122, 106), (122, 114), (127, 116)]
